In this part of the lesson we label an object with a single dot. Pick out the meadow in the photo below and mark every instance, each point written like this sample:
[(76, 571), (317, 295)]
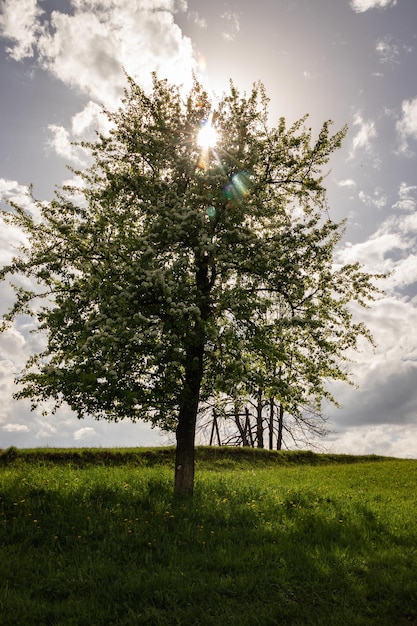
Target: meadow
[(94, 537)]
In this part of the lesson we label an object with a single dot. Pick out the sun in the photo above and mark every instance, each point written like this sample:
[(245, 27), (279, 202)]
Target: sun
[(207, 136)]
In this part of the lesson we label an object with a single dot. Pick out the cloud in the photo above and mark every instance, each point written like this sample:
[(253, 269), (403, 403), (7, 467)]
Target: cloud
[(12, 343), (12, 237), (84, 433), (19, 22), (14, 352), (386, 377), (407, 198), (89, 48), (16, 428), (347, 182), (363, 140), (387, 51), (407, 125), (233, 25), (380, 416), (392, 248), (84, 124), (60, 142), (384, 396), (399, 441), (390, 52), (195, 17), (12, 191), (91, 116), (378, 199), (360, 6)]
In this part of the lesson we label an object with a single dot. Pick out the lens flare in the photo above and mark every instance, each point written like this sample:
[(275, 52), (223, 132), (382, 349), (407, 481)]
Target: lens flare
[(211, 212), (238, 189)]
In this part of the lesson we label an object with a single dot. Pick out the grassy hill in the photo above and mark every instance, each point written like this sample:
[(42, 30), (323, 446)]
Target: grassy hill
[(94, 537), (166, 455)]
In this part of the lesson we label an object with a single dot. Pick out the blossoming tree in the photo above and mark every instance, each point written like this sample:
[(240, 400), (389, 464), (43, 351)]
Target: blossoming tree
[(195, 256)]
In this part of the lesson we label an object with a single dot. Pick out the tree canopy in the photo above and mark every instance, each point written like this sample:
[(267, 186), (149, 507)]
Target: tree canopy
[(178, 270)]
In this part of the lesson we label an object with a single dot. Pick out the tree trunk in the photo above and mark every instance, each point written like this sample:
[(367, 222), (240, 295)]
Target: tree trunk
[(190, 397), (280, 426), (187, 419), (259, 421), (215, 429), (242, 430), (248, 428), (271, 422)]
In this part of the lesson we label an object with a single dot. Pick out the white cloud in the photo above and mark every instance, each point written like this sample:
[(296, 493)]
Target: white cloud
[(378, 199), (407, 125), (393, 246), (12, 343), (347, 182), (407, 198), (363, 140), (11, 237), (88, 49), (404, 275), (46, 430), (387, 382), (387, 51), (397, 441), (195, 17), (12, 191), (16, 428), (19, 23), (373, 252), (14, 351), (60, 142), (360, 6), (83, 125), (84, 433), (233, 25), (91, 117)]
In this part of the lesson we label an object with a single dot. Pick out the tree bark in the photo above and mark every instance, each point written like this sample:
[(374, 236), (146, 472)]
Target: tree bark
[(280, 427), (215, 429), (242, 429), (187, 419), (271, 422), (248, 429), (190, 397), (259, 420)]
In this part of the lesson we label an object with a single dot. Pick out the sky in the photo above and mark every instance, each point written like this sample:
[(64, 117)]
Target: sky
[(351, 61)]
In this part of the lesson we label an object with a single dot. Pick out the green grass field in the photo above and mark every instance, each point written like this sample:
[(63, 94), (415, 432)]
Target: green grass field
[(95, 538)]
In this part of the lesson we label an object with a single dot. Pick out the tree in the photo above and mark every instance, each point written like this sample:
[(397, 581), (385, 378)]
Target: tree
[(168, 267), (260, 422), (299, 344)]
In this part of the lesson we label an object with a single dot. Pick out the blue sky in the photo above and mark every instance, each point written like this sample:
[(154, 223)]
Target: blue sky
[(352, 61)]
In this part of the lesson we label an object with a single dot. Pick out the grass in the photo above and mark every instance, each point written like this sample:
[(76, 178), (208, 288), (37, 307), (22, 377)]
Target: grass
[(95, 537)]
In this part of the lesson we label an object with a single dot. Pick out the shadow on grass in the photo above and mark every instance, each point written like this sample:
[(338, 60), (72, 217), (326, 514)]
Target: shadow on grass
[(127, 554)]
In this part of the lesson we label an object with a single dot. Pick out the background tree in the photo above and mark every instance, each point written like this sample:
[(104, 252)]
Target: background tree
[(172, 260), (283, 365)]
